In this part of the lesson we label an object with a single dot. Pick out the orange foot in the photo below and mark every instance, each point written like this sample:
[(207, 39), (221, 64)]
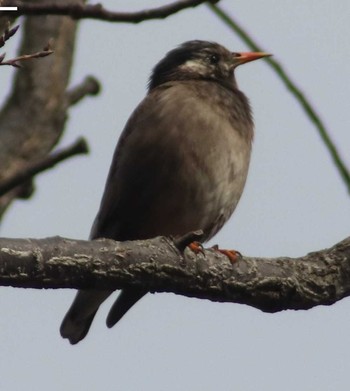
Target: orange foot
[(232, 255), (196, 247)]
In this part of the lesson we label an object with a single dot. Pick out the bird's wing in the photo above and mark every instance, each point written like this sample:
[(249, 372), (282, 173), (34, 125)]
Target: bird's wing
[(144, 164)]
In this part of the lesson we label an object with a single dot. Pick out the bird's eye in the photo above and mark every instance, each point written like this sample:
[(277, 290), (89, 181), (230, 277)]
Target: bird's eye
[(214, 59)]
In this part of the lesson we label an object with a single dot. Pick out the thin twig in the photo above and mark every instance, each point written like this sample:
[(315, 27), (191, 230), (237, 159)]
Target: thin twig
[(96, 11), (15, 61), (311, 113), (79, 147), (8, 33)]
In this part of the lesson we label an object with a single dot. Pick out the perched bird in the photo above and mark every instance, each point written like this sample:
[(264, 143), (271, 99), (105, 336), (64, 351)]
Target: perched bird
[(180, 164)]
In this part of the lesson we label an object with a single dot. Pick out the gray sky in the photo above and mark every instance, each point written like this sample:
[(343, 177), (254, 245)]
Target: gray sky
[(294, 202)]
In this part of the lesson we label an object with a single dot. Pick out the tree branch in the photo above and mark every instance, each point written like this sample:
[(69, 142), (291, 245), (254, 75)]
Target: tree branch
[(96, 11), (269, 284), (89, 86), (79, 147), (7, 34), (33, 117), (15, 62)]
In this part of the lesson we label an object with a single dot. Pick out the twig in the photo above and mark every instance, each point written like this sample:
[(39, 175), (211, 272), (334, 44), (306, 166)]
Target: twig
[(8, 33), (96, 11), (294, 89), (14, 61), (89, 86), (79, 147)]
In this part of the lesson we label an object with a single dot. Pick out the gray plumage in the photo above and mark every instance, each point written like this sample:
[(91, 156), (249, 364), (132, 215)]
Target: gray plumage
[(180, 164)]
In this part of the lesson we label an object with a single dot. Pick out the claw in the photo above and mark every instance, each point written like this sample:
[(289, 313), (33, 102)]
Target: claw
[(196, 247), (232, 255)]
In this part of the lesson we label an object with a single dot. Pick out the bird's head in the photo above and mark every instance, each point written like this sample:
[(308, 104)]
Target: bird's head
[(202, 60)]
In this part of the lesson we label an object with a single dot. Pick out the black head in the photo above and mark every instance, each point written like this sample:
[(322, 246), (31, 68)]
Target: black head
[(200, 60)]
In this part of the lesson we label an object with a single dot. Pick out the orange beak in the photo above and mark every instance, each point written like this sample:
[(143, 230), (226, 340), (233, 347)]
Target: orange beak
[(244, 57)]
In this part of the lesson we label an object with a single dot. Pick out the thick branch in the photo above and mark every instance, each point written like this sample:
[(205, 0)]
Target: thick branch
[(270, 284), (96, 11), (33, 117)]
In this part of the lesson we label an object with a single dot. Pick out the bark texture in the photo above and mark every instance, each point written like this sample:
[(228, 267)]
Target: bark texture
[(33, 117), (269, 284)]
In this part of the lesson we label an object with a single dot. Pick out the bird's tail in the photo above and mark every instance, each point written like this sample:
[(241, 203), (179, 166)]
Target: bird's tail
[(126, 299), (79, 317)]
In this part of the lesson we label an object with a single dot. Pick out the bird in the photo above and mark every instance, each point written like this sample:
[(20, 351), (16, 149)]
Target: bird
[(180, 164)]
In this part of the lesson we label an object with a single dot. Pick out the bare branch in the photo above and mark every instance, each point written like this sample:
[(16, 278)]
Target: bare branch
[(15, 61), (96, 11), (27, 173), (270, 284), (33, 117), (89, 86), (7, 34)]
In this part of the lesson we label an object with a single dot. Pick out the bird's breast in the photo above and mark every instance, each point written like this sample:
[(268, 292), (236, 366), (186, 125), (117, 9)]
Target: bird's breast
[(214, 150)]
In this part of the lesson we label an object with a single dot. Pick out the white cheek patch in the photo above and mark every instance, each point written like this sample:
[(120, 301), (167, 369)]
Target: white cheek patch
[(194, 66)]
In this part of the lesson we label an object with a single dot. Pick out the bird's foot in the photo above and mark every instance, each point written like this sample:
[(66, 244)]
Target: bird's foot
[(191, 240), (232, 255), (196, 247)]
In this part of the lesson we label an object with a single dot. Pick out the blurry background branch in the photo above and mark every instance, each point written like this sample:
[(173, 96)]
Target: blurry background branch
[(27, 173), (15, 62), (96, 11), (7, 34), (89, 86), (33, 117)]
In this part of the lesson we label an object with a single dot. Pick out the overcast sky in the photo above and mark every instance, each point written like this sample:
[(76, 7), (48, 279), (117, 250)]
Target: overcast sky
[(294, 202)]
